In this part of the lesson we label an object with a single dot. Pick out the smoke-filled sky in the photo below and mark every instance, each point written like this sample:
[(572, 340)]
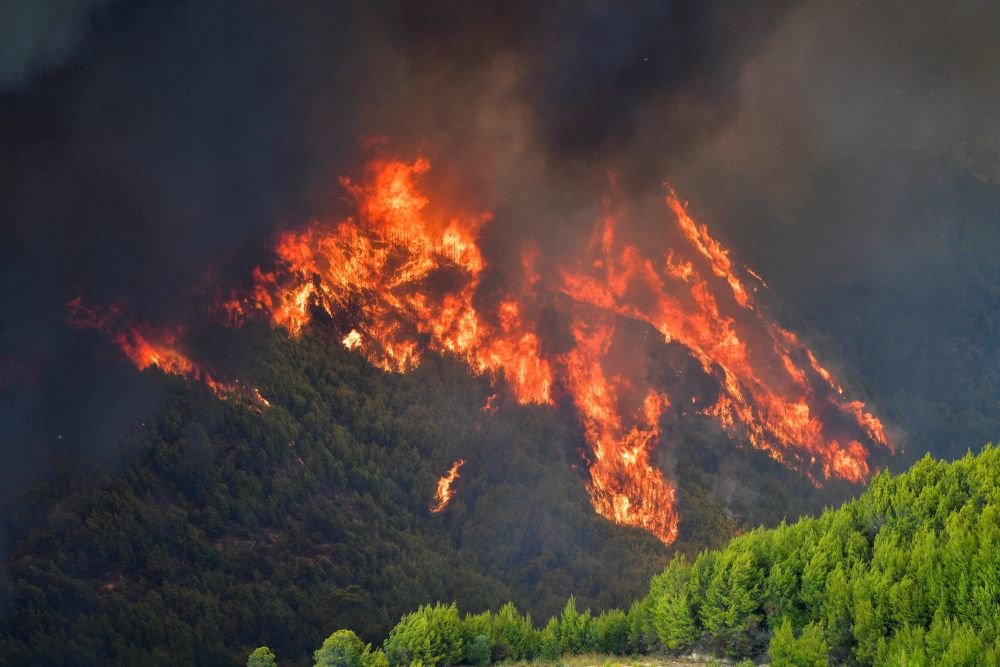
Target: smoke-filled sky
[(847, 151)]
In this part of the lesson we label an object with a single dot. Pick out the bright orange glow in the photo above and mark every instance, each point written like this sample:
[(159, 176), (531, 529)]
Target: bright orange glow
[(444, 491), (773, 390), (382, 267), (406, 275), (146, 346), (625, 487), (352, 340), (409, 279)]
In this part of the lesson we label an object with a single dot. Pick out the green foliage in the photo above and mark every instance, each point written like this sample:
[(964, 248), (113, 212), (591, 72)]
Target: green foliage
[(674, 622), (611, 630), (576, 634), (807, 650), (551, 645), (906, 574), (515, 633), (341, 649), (478, 651), (262, 657), (671, 610), (376, 658), (431, 635), (641, 632), (478, 625), (220, 528), (853, 586)]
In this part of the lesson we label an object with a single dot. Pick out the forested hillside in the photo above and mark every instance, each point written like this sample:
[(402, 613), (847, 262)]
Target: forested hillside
[(219, 522), (908, 574)]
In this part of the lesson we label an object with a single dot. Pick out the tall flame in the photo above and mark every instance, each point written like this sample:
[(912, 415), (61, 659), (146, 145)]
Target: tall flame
[(382, 266), (444, 492), (410, 280), (403, 278)]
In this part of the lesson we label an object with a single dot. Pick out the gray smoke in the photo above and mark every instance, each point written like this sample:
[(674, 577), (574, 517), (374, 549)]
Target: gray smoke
[(38, 35), (846, 150)]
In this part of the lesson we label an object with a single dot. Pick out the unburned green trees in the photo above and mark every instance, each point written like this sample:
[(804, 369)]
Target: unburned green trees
[(343, 648), (262, 657), (431, 635)]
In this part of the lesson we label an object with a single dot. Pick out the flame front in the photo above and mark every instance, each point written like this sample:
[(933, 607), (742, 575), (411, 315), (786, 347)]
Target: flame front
[(410, 281), (146, 346), (404, 275), (444, 491), (773, 390), (383, 267)]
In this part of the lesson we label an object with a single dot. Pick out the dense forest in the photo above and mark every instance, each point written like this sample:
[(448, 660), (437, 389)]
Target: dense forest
[(905, 575), (179, 173), (216, 523)]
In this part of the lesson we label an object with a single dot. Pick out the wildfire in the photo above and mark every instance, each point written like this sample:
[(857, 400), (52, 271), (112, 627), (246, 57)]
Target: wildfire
[(444, 492), (404, 276), (352, 340), (147, 346), (382, 266), (410, 279)]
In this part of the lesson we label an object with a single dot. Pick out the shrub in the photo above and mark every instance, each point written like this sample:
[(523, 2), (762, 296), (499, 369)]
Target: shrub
[(431, 635), (551, 647), (477, 651), (262, 657), (516, 632), (341, 649), (611, 630), (575, 629), (808, 650), (474, 625), (374, 658)]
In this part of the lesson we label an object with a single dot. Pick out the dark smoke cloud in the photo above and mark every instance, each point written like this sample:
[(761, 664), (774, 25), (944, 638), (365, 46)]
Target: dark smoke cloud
[(860, 174), (36, 36), (180, 136), (175, 138)]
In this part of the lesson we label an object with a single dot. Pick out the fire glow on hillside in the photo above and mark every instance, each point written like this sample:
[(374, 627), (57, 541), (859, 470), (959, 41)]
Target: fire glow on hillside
[(444, 491), (147, 346), (409, 278)]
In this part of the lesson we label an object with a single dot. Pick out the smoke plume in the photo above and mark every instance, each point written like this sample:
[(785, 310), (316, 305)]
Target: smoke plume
[(158, 148)]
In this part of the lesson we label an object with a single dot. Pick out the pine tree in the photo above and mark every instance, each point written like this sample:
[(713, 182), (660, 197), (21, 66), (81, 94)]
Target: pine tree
[(674, 622), (808, 650)]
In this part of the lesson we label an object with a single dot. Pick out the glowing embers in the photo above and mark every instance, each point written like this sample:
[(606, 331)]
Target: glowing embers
[(444, 492)]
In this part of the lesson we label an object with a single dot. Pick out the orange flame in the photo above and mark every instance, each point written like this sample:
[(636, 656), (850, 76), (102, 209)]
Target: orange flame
[(409, 279), (381, 266), (146, 346), (444, 492)]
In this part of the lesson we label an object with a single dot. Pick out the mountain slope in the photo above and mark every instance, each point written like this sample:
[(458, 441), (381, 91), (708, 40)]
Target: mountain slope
[(222, 523), (906, 574)]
